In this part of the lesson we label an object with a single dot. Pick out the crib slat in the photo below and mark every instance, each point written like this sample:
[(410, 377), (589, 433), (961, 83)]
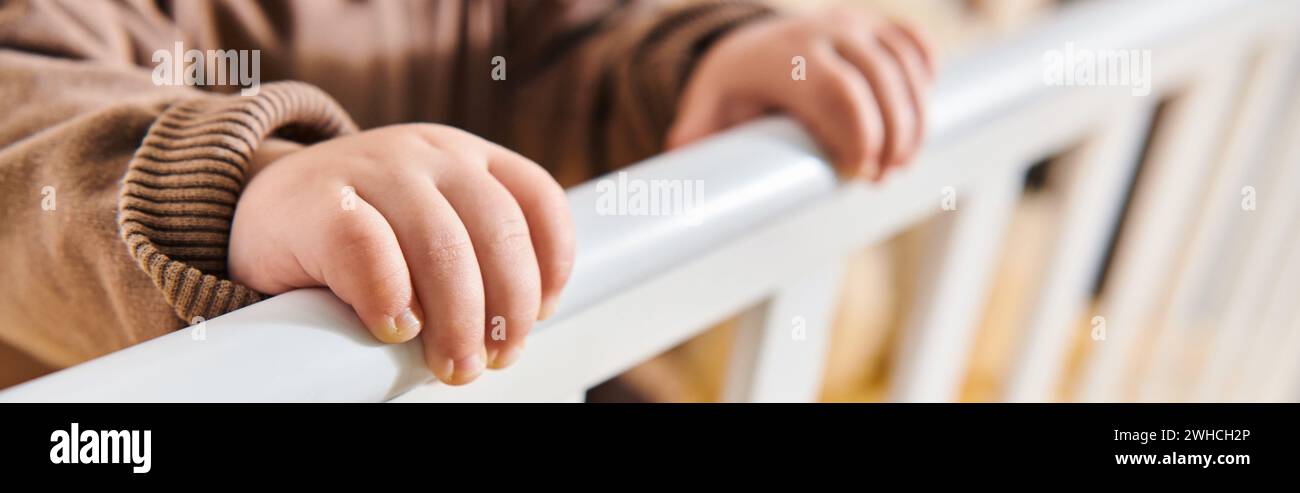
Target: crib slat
[(1095, 175), (1243, 316), (1214, 253), (1282, 382), (1261, 235), (1259, 361), (1246, 317), (779, 353), (1243, 321), (1278, 374), (1178, 165), (963, 254)]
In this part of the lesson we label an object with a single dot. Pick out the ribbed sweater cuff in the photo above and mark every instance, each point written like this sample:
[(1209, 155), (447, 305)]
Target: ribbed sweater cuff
[(182, 184)]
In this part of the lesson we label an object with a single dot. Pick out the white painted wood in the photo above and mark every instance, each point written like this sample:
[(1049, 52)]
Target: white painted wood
[(1270, 342), (1158, 222), (1267, 240), (780, 346), (1276, 356), (1262, 309), (1213, 255), (1283, 383), (576, 398), (963, 251), (1095, 179)]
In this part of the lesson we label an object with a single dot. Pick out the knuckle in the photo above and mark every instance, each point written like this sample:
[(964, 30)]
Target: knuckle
[(839, 13), (421, 130), (437, 131), (449, 249), (837, 89), (370, 155), (839, 84), (847, 18), (417, 142), (512, 234), (549, 199), (443, 137), (848, 92), (802, 35)]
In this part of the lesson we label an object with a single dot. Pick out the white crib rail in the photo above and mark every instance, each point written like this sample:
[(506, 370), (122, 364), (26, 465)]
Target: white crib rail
[(773, 229)]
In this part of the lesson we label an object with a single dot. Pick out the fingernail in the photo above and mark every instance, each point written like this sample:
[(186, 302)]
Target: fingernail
[(548, 309), (398, 329), (464, 370), (505, 357), (407, 323)]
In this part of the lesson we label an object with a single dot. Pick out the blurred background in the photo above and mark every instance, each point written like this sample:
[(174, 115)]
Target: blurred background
[(876, 293)]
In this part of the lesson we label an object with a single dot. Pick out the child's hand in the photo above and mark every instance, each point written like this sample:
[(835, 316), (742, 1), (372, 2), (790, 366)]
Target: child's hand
[(423, 229), (863, 98)]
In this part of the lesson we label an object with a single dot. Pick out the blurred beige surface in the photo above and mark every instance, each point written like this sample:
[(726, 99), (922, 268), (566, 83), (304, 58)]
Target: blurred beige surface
[(878, 281)]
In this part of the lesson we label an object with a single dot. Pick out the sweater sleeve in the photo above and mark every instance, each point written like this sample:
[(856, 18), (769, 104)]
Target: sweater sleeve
[(118, 193), (594, 84)]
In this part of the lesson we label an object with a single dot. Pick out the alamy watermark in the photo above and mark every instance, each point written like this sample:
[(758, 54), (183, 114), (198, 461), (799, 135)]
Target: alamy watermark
[(625, 196), (181, 67), (1098, 328), (77, 446), (948, 198), (1076, 66), (49, 199)]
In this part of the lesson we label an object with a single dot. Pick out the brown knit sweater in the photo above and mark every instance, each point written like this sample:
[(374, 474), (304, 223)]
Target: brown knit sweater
[(116, 194)]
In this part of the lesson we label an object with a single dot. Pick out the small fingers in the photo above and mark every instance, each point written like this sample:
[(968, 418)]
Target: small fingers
[(546, 210), (445, 275), (889, 87), (503, 244), (923, 45), (842, 115), (908, 56), (361, 261)]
